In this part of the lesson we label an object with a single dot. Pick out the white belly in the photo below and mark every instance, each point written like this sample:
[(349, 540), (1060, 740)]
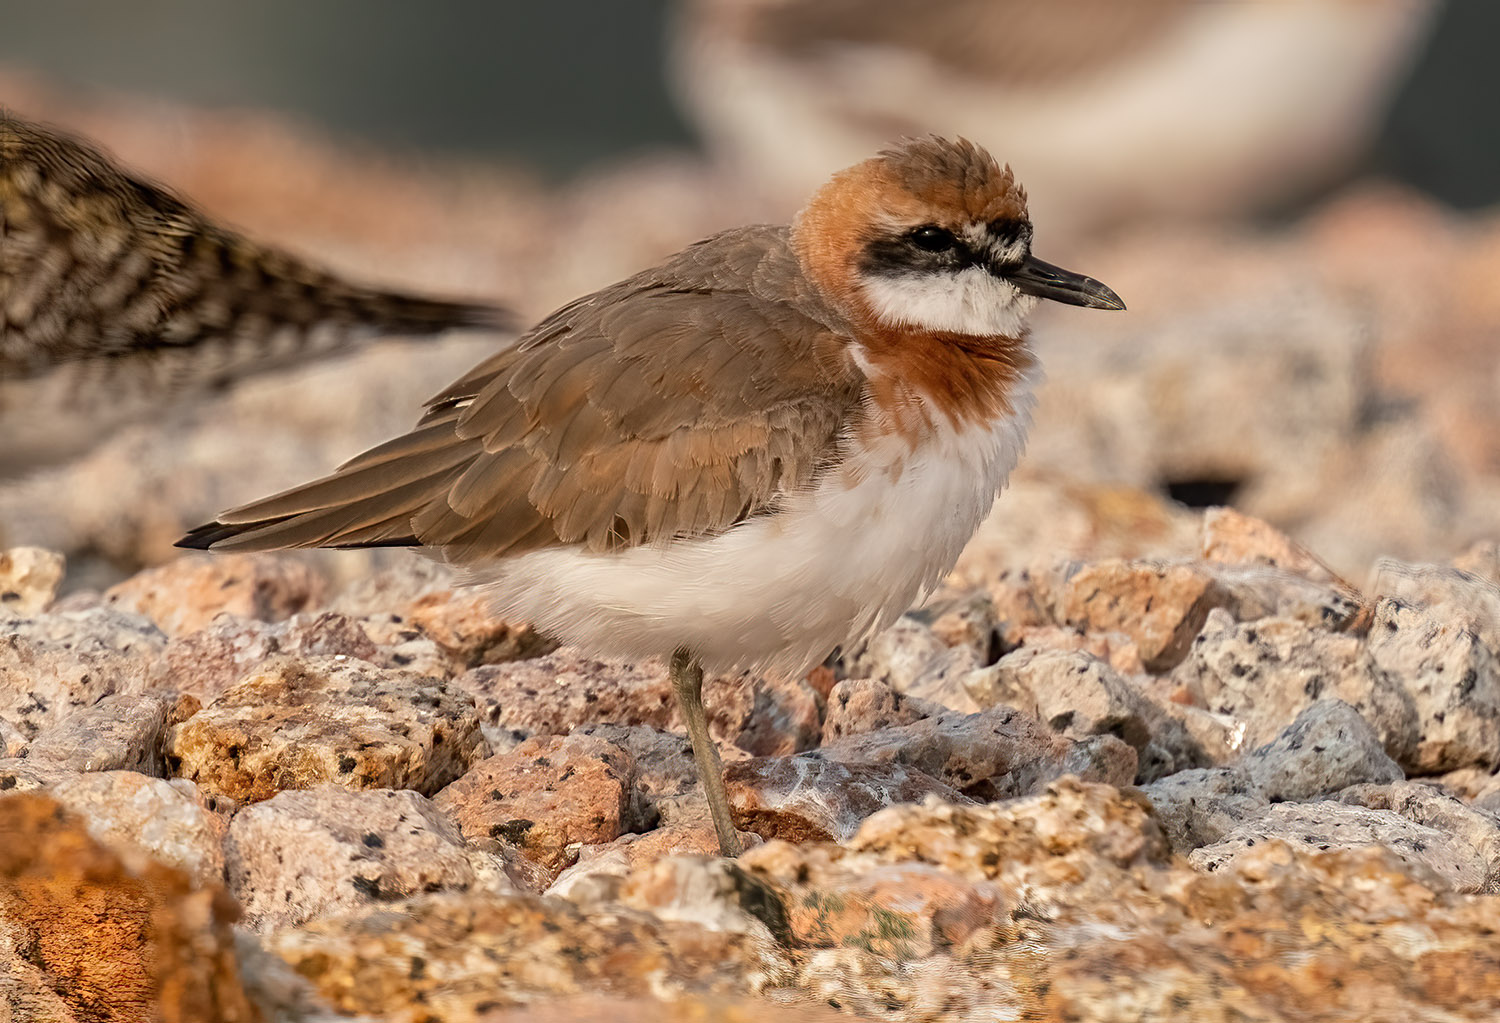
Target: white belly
[(779, 592)]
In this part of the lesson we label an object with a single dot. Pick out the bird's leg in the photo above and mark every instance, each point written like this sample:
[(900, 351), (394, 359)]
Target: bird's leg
[(687, 680)]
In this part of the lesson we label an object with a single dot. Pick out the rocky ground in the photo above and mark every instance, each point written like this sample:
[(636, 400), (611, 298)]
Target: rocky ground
[(1135, 761), (1231, 786)]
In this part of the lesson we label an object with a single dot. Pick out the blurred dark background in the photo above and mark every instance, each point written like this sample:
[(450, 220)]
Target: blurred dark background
[(570, 84)]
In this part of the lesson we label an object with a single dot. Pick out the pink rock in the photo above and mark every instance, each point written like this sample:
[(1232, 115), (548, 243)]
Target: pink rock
[(554, 694), (299, 723), (1160, 606), (186, 594), (544, 797)]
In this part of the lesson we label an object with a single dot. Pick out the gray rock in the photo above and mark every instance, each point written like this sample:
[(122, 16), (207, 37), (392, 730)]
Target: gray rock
[(1335, 825), (915, 661), (1079, 695), (119, 733), (1258, 591), (1201, 806), (1452, 679), (1265, 673), (309, 853), (994, 754), (169, 821), (1329, 747), (1473, 826), (54, 665), (1467, 599)]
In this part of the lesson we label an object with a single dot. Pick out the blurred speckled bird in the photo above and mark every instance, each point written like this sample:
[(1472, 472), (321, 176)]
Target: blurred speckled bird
[(1115, 110), (116, 296), (768, 445)]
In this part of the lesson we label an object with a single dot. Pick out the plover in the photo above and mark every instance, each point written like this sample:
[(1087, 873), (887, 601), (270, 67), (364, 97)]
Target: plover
[(770, 444)]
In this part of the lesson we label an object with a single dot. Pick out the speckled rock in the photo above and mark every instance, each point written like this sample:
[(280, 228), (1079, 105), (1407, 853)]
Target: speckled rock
[(117, 944), (139, 817), (915, 661), (1160, 606), (1078, 695), (554, 694), (209, 661), (1452, 678), (994, 754), (600, 870), (709, 891), (1201, 806), (305, 854), (54, 665), (1335, 825), (1253, 592), (185, 594), (428, 597), (1265, 673), (1329, 747), (457, 956), (1467, 599), (29, 578), (1231, 537), (297, 724), (859, 705), (119, 733), (1476, 827), (545, 797), (685, 1009), (808, 798), (1095, 920)]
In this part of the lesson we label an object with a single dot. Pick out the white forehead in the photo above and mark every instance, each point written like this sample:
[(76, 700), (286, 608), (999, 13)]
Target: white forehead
[(979, 236)]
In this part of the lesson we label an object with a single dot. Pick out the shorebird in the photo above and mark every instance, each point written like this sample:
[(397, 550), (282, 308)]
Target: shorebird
[(1205, 108), (116, 295), (768, 445)]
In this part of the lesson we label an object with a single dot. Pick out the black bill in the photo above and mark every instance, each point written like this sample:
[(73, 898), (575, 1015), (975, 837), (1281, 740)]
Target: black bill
[(1042, 279)]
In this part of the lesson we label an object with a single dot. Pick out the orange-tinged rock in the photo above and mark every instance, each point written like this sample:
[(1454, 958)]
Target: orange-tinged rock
[(115, 945)]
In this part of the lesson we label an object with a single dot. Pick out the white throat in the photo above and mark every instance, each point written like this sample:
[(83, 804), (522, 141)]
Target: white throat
[(972, 301)]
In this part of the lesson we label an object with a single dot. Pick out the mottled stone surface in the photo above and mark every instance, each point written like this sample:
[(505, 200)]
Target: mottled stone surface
[(554, 694), (185, 594), (29, 578), (1267, 672), (309, 853), (459, 955), (809, 798), (169, 822), (112, 942), (327, 720), (1160, 607), (1452, 678), (994, 754), (53, 666), (1329, 747), (119, 733), (544, 797), (1078, 695)]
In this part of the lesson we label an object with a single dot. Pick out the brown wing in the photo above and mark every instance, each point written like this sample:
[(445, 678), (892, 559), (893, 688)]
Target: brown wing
[(676, 403), (98, 265)]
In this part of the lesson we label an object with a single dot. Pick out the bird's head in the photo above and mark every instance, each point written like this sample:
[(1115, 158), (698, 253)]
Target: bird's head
[(933, 235)]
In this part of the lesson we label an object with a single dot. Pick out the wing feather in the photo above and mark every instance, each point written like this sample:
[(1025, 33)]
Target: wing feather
[(676, 403)]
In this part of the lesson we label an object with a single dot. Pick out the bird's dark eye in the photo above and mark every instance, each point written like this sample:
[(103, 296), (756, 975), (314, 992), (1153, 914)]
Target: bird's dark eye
[(933, 238)]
